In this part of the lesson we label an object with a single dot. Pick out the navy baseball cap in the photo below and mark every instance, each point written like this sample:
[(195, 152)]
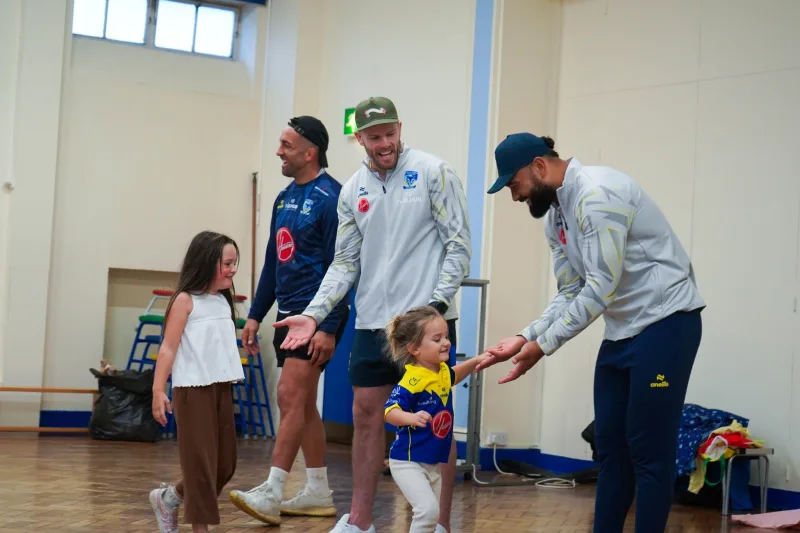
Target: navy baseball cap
[(516, 151)]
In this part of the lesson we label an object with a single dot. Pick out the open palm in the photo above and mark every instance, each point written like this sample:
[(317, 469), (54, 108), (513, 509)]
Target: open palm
[(301, 329)]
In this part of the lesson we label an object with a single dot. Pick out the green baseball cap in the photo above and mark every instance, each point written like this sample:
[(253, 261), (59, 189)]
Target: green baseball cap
[(374, 111)]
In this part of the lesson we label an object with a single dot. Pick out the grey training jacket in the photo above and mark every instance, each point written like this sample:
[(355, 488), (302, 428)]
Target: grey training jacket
[(404, 241), (614, 254)]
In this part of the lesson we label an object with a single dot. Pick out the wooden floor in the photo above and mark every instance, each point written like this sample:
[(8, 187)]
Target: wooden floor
[(55, 484)]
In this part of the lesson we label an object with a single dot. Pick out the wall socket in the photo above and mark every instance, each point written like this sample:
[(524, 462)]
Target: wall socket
[(498, 439)]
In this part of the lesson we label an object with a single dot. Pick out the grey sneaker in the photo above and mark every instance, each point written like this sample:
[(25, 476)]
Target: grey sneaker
[(307, 504), (259, 503), (166, 515)]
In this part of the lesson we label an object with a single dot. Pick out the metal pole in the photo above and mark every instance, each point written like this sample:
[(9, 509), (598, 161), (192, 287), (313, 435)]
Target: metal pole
[(472, 463), (474, 416)]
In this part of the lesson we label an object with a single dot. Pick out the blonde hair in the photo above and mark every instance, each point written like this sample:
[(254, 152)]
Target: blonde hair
[(406, 331)]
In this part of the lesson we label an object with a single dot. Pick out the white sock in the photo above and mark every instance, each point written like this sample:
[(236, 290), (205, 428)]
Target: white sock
[(276, 480), (171, 497), (318, 481)]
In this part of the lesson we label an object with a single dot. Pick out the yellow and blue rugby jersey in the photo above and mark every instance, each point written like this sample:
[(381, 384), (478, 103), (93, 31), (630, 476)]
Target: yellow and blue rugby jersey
[(424, 390)]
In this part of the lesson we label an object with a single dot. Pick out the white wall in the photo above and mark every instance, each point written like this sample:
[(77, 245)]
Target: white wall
[(423, 63), (121, 162), (158, 146), (699, 101), (31, 103), (524, 100)]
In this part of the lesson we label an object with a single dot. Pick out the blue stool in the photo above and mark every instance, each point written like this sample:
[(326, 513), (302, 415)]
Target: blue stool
[(145, 321), (249, 394)]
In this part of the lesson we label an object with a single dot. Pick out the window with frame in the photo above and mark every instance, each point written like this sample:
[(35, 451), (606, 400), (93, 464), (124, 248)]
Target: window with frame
[(189, 26)]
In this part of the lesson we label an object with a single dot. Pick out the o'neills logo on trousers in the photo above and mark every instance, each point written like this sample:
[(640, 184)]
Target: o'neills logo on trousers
[(660, 382)]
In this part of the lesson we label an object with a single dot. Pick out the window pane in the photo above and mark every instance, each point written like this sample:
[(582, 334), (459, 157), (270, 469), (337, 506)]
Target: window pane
[(88, 17), (175, 25), (215, 29), (127, 20)]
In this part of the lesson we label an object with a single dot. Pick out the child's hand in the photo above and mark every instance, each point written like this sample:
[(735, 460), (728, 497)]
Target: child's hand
[(480, 359), (420, 419), (161, 406)]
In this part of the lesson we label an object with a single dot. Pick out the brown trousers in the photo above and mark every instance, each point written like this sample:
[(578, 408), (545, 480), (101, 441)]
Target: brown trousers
[(206, 446)]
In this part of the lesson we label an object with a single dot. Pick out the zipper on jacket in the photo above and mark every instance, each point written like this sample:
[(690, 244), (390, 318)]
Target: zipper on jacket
[(562, 218)]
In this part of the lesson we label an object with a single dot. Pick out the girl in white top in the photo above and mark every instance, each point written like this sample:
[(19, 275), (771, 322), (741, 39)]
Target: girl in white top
[(199, 349)]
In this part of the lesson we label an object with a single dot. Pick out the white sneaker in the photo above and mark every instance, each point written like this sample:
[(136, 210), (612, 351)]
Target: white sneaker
[(440, 528), (259, 503), (343, 527), (166, 515), (308, 504)]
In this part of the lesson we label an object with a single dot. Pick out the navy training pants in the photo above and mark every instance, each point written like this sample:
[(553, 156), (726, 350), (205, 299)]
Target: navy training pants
[(639, 390)]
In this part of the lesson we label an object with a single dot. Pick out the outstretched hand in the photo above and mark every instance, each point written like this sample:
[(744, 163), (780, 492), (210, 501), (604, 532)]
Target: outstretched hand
[(528, 356), (502, 351), (301, 329), (524, 355)]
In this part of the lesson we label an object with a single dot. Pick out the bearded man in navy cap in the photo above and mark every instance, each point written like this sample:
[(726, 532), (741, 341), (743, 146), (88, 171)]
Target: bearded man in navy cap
[(614, 254)]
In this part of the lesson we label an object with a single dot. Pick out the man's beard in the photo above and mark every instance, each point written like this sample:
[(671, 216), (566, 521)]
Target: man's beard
[(540, 200), (375, 158), (289, 170)]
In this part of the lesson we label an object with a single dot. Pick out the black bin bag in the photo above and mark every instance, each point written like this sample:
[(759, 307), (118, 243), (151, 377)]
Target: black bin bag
[(124, 409)]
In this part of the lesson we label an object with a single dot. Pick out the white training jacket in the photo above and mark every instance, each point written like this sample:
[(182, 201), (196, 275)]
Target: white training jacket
[(615, 254), (404, 241)]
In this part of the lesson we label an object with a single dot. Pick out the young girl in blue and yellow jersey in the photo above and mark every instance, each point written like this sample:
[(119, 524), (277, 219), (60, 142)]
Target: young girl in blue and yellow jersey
[(421, 407)]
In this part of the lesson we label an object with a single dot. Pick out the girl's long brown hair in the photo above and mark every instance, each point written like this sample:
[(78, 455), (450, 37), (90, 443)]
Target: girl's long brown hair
[(199, 268)]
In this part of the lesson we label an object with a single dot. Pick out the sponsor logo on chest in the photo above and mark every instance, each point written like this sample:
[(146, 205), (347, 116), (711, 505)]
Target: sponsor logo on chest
[(285, 244)]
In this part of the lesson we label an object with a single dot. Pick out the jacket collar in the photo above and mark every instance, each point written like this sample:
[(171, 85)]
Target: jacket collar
[(566, 193)]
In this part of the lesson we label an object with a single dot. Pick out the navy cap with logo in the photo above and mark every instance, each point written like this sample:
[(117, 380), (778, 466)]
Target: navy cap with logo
[(515, 152), (314, 130)]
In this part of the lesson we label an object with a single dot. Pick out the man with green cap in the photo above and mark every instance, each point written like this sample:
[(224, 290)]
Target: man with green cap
[(404, 237)]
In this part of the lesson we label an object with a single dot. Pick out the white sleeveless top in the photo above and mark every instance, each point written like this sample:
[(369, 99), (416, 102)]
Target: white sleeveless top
[(208, 352)]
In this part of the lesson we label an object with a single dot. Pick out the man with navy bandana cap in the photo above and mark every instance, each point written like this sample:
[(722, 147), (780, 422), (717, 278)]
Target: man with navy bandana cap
[(301, 247), (614, 254)]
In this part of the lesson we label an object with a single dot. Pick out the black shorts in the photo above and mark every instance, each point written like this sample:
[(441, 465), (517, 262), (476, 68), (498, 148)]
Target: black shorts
[(302, 352), (370, 364)]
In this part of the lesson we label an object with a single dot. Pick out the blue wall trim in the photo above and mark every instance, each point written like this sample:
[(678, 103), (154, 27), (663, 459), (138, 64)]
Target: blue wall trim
[(531, 456), (777, 499), (475, 183), (64, 419)]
